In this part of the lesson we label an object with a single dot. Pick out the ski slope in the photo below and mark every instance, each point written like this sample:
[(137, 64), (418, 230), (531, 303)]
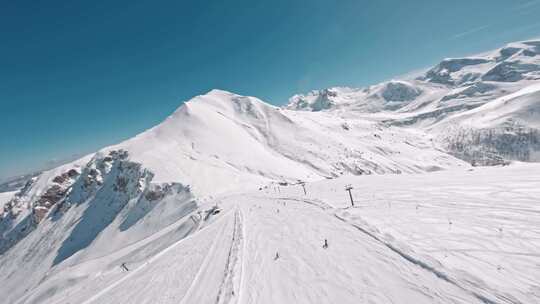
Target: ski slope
[(459, 236), (522, 107)]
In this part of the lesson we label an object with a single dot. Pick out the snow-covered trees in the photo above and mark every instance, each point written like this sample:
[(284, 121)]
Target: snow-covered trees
[(494, 146)]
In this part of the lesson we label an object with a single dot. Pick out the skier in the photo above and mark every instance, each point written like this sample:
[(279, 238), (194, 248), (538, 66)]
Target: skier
[(124, 267), (325, 244), (277, 256)]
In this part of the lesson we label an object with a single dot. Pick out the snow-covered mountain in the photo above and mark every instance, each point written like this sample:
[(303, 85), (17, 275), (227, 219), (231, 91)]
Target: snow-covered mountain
[(238, 139), (186, 211), (437, 102), (455, 84)]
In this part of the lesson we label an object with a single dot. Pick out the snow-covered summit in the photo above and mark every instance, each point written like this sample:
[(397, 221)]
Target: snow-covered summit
[(514, 62)]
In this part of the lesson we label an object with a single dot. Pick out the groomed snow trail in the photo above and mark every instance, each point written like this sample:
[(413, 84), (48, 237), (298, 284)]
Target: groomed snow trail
[(489, 296), (229, 289), (354, 268), (153, 265), (477, 229)]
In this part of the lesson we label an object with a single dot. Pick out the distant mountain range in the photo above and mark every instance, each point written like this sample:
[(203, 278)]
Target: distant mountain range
[(483, 109)]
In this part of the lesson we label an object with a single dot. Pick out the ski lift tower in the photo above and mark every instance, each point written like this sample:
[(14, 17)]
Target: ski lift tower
[(303, 184), (348, 188)]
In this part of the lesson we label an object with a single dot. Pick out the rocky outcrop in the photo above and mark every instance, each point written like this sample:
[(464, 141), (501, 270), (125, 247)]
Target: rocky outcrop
[(443, 72), (314, 101), (400, 91), (63, 190), (60, 179), (110, 186), (512, 72)]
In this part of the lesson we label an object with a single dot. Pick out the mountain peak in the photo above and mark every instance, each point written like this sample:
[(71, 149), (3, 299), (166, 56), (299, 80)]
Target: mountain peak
[(217, 99), (219, 92)]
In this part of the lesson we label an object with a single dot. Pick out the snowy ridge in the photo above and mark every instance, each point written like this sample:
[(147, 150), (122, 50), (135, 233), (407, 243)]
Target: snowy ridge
[(522, 107), (109, 196)]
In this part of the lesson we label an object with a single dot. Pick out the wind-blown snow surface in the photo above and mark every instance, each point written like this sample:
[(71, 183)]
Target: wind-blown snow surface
[(207, 207)]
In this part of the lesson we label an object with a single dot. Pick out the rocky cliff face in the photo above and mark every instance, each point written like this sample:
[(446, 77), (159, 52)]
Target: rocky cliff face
[(105, 187)]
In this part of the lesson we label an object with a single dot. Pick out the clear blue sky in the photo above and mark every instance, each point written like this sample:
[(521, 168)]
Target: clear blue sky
[(79, 75)]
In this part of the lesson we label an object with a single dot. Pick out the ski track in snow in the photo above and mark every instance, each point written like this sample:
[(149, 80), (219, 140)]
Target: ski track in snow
[(481, 290), (484, 296), (227, 292), (472, 286), (366, 261), (147, 264), (440, 274), (408, 257), (205, 264)]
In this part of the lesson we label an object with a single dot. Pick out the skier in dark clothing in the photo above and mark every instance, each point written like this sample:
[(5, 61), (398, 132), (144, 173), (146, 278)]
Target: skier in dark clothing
[(124, 267), (325, 244)]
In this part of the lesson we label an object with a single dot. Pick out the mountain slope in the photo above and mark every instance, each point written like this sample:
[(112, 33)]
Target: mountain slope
[(241, 140), (505, 128), (521, 107)]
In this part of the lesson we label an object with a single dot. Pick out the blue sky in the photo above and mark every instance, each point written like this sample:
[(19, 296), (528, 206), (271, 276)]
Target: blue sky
[(79, 75)]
